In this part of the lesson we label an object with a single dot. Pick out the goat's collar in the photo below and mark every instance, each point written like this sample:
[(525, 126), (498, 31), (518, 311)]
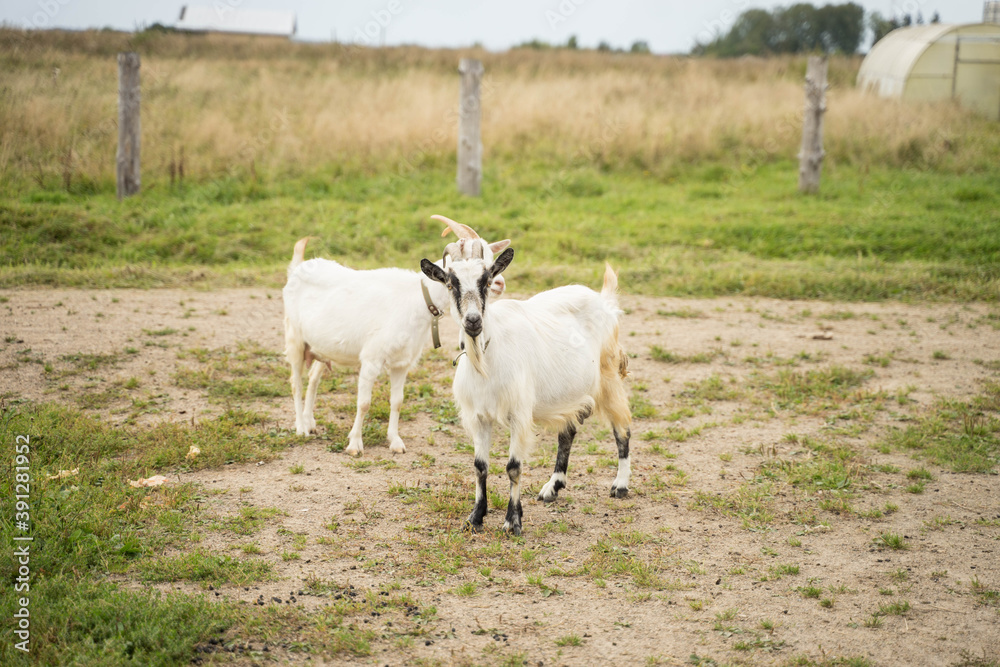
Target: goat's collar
[(435, 314)]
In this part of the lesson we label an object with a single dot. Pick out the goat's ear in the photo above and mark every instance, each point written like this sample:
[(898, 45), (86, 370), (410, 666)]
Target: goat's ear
[(432, 270), (501, 262), (498, 246)]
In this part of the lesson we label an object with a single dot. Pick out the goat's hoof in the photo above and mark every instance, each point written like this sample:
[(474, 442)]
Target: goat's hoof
[(353, 451), (474, 527), (397, 447), (619, 492), (512, 528), (548, 496)]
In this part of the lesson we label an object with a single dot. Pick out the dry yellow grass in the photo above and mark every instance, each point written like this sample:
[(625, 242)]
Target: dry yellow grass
[(236, 104)]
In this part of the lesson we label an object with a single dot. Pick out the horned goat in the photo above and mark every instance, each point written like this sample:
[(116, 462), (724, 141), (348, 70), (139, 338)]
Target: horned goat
[(381, 319), (552, 360)]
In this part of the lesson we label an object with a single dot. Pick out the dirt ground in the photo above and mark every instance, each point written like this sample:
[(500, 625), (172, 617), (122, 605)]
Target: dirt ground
[(722, 599)]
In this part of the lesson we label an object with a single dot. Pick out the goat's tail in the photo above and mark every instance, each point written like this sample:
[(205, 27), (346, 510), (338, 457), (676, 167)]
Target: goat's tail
[(299, 254), (610, 289), (614, 360)]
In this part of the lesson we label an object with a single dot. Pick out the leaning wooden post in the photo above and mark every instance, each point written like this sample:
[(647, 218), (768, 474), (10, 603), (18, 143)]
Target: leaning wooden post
[(811, 154), (128, 125), (470, 145)]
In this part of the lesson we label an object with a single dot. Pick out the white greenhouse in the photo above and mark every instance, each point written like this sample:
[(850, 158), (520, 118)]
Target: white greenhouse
[(938, 62)]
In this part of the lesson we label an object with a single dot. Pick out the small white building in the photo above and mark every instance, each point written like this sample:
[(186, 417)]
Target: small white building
[(938, 62), (223, 17)]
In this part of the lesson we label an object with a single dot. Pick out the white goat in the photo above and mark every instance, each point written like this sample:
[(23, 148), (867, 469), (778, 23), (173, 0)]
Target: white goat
[(379, 319), (552, 360)]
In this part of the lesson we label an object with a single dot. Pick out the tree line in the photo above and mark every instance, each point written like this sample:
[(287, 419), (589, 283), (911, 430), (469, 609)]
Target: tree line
[(803, 28)]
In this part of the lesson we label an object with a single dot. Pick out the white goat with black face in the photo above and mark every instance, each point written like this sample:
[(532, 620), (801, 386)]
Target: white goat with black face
[(552, 360), (379, 319)]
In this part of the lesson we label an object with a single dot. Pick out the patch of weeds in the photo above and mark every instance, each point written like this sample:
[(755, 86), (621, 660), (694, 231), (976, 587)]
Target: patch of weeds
[(569, 640), (205, 567), (890, 540), (790, 389), (684, 312), (751, 503), (466, 589), (665, 356), (984, 596), (167, 331), (248, 371), (897, 608), (961, 435), (367, 465), (251, 519), (712, 388), (810, 591), (641, 407), (778, 571)]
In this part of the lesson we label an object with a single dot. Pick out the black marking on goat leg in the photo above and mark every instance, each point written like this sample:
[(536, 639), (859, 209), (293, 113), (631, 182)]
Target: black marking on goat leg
[(475, 520), (514, 511), (622, 442)]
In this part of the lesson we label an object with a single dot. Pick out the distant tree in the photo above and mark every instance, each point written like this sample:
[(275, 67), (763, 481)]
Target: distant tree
[(935, 18), (534, 44), (920, 18), (640, 46), (603, 46), (907, 21), (571, 42), (796, 29), (841, 27), (880, 27)]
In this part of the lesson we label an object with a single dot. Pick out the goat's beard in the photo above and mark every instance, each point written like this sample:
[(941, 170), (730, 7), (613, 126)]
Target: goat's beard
[(476, 354)]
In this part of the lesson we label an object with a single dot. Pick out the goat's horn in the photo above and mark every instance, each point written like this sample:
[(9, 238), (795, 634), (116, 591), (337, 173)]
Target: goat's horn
[(461, 231)]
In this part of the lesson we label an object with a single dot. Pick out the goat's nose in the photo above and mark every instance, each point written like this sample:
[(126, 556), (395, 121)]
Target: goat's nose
[(473, 324)]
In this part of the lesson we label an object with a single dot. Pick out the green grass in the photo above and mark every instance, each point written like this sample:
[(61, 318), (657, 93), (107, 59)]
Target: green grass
[(961, 435), (205, 567), (757, 238)]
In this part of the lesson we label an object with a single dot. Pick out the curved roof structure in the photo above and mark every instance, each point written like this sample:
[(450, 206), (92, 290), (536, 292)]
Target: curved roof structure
[(892, 57), (938, 61), (226, 18)]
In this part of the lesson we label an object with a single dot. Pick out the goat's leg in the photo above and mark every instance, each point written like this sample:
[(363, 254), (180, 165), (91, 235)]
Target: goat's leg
[(558, 480), (308, 418), (520, 441), (397, 378), (296, 362), (482, 433), (366, 381), (619, 488)]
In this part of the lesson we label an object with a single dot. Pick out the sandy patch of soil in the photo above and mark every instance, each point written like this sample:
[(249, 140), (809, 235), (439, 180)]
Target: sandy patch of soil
[(125, 347)]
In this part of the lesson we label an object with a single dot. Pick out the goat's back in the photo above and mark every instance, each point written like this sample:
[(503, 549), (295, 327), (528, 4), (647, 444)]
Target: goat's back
[(340, 311)]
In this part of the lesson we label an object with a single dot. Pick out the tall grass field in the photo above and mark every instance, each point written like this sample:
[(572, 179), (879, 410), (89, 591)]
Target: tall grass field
[(681, 172)]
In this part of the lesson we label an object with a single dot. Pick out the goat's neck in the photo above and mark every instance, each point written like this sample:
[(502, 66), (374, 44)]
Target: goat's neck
[(438, 294)]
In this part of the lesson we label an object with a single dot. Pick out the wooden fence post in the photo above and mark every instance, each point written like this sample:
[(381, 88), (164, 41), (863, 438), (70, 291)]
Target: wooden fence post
[(470, 145), (128, 125), (811, 153)]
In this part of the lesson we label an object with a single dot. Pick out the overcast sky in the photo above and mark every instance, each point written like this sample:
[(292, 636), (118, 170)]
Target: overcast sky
[(669, 26)]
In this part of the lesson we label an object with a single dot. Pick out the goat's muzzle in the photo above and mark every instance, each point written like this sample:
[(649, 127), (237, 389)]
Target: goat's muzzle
[(473, 324)]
